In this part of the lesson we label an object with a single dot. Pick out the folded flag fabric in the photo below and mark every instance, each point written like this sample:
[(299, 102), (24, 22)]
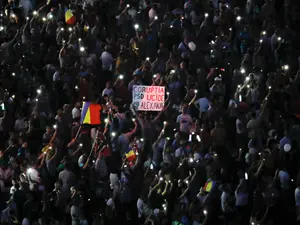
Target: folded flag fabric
[(69, 17), (209, 185), (90, 113), (130, 155), (86, 27)]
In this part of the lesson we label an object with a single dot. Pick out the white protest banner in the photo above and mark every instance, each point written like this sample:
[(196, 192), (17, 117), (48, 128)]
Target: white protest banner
[(148, 98)]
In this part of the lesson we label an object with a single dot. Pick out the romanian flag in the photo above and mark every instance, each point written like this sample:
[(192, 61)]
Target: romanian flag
[(209, 185), (90, 113), (69, 17), (86, 27), (130, 155)]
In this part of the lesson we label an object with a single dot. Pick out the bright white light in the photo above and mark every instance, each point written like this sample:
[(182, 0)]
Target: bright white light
[(247, 78), (44, 19), (121, 77), (13, 74), (62, 29), (238, 18), (70, 29), (29, 170), (82, 49), (261, 41), (105, 120), (147, 59), (154, 75), (246, 176), (196, 91), (206, 14), (127, 5), (136, 26), (204, 212), (243, 71), (279, 38), (286, 67), (54, 126), (264, 32), (156, 17), (76, 87), (191, 160), (34, 13), (172, 71), (1, 28), (80, 145), (142, 139), (50, 16), (38, 91), (113, 134)]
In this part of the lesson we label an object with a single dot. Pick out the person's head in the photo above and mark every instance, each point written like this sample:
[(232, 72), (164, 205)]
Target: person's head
[(24, 144), (77, 105), (182, 65), (108, 84), (67, 166)]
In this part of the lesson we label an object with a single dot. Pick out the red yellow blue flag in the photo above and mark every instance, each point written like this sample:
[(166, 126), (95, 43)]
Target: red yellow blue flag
[(130, 155), (90, 113), (69, 17)]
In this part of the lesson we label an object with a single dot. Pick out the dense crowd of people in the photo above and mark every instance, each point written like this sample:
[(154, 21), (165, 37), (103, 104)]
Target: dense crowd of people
[(224, 149)]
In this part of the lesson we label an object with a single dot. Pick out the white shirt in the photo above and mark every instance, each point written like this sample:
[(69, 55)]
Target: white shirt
[(107, 60), (56, 76), (224, 198), (297, 196), (75, 113), (108, 92), (185, 120), (238, 130), (19, 124), (152, 14)]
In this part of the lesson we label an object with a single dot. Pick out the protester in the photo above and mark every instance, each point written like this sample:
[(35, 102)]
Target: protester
[(217, 144)]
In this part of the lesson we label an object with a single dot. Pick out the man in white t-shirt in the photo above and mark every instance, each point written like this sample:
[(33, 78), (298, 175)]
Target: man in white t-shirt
[(76, 113), (153, 13), (184, 120), (106, 59)]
